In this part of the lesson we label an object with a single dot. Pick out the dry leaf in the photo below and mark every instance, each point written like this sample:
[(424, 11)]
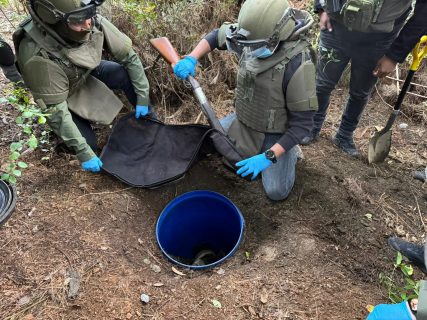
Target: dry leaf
[(155, 268), (252, 311), (158, 284), (264, 296), (175, 270), (216, 303)]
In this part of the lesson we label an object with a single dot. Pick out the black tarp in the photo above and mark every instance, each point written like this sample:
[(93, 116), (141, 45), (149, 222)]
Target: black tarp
[(148, 153)]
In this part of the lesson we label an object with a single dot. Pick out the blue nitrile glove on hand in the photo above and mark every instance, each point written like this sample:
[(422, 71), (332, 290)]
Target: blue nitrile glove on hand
[(94, 165), (255, 165), (398, 311), (141, 111), (185, 67)]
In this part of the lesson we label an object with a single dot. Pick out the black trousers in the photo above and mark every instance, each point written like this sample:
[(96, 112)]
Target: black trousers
[(115, 77)]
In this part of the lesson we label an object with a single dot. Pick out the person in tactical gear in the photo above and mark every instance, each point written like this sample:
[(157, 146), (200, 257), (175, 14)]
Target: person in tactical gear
[(413, 30), (360, 32), (7, 62), (275, 94), (59, 52)]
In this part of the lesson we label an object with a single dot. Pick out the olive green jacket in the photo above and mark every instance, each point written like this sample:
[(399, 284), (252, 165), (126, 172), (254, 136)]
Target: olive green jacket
[(60, 117), (58, 76)]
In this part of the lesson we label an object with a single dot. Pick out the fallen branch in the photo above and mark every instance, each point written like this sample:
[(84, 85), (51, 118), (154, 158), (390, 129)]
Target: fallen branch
[(106, 192), (382, 99), (412, 83)]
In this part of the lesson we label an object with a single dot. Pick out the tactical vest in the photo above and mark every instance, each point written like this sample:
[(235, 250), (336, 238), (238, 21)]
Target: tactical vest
[(261, 106), (55, 71), (371, 15), (260, 102)]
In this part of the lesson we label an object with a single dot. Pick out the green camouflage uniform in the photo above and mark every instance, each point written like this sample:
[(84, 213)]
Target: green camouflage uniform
[(58, 75)]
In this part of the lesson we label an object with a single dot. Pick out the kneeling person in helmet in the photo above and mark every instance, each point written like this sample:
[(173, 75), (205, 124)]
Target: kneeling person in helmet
[(59, 52), (275, 95)]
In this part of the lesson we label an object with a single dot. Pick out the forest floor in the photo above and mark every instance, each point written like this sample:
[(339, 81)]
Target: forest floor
[(316, 255)]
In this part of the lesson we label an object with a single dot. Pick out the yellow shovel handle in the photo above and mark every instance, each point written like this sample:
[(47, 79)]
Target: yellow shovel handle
[(419, 53)]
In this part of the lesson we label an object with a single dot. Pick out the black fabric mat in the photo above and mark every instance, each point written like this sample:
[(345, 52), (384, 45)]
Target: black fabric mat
[(147, 153)]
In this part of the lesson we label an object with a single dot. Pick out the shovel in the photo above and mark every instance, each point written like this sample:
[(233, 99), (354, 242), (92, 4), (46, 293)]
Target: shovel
[(379, 145)]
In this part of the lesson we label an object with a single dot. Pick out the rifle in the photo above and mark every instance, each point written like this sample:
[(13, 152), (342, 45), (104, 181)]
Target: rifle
[(168, 52)]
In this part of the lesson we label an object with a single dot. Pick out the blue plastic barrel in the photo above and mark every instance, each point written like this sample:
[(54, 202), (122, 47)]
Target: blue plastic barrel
[(199, 221)]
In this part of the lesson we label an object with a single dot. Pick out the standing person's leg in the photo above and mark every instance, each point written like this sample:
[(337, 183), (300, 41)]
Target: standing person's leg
[(364, 59), (278, 179), (115, 76), (333, 58)]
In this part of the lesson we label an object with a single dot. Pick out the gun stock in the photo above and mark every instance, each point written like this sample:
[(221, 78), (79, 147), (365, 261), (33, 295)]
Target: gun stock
[(165, 48)]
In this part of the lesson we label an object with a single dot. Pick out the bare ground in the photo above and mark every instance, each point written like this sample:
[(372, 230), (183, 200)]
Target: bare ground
[(314, 256)]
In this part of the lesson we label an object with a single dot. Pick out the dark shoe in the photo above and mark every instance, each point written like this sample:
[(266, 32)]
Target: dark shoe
[(346, 144), (312, 137), (420, 175), (414, 252)]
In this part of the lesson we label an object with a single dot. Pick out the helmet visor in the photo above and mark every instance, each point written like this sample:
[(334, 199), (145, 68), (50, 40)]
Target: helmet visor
[(80, 15), (236, 41)]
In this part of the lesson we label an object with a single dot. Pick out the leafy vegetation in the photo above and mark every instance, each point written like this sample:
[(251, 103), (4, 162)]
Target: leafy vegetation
[(33, 132), (400, 289)]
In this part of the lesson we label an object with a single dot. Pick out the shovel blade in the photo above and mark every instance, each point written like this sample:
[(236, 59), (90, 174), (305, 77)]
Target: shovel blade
[(379, 147)]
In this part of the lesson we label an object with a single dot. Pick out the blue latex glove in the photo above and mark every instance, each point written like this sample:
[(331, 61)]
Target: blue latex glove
[(141, 111), (185, 67), (255, 165), (94, 165), (398, 311)]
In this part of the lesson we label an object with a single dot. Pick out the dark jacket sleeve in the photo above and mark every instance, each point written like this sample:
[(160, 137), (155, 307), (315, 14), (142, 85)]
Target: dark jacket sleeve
[(300, 123), (410, 34), (212, 39)]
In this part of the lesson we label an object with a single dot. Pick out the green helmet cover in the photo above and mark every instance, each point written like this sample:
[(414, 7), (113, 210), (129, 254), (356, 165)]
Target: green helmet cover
[(45, 9), (260, 17)]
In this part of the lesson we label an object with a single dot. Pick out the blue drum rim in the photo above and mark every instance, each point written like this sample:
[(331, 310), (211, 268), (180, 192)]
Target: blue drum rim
[(186, 196)]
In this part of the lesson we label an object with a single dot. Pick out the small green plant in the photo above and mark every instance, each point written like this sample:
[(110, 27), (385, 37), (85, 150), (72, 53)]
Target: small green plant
[(400, 289), (328, 55), (29, 118)]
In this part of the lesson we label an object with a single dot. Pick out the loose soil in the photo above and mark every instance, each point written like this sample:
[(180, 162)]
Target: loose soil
[(316, 255)]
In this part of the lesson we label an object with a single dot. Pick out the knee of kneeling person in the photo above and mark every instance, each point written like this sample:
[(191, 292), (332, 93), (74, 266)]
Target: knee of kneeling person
[(277, 193)]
